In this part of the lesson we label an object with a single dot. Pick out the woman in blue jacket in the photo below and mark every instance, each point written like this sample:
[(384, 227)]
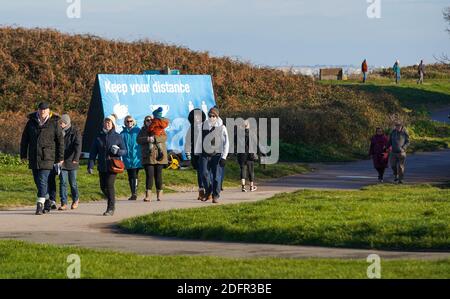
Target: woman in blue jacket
[(107, 145), (132, 159)]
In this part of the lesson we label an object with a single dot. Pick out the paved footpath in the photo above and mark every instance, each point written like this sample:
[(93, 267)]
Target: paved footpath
[(86, 227)]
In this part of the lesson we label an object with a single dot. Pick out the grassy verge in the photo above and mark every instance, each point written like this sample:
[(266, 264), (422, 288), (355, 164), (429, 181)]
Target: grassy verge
[(17, 187), (383, 216), (434, 93), (25, 260)]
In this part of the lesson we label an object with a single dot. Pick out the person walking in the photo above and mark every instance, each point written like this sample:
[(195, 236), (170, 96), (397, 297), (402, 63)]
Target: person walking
[(247, 159), (364, 70), (379, 152), (421, 71), (397, 71), (107, 146), (152, 139), (399, 142), (214, 154), (42, 144), (132, 159), (72, 153), (193, 145)]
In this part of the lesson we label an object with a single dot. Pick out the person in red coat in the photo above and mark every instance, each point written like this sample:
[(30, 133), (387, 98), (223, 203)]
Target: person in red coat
[(364, 70), (379, 152)]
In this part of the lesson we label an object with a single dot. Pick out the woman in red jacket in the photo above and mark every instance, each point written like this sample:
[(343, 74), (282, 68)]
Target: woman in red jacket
[(379, 152)]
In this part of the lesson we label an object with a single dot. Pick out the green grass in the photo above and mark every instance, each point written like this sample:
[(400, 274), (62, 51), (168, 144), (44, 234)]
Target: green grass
[(25, 260), (432, 94), (383, 217), (17, 187)]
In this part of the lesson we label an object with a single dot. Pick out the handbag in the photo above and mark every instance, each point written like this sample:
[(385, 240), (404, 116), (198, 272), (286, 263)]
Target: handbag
[(116, 166)]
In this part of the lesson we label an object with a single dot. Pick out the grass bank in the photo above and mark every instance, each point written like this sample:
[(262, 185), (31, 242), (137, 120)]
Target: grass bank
[(382, 217), (19, 260)]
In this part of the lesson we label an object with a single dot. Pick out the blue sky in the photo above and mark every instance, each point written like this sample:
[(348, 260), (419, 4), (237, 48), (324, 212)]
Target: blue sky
[(266, 32)]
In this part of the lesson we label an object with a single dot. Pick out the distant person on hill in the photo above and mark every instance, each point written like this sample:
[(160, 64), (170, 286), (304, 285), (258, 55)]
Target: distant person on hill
[(132, 159), (152, 139), (421, 71), (379, 152), (42, 144), (247, 159), (193, 145), (364, 70), (398, 141), (72, 153), (108, 145), (396, 69), (214, 153)]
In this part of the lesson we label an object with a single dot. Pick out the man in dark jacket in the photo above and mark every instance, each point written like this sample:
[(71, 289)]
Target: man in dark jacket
[(43, 145), (399, 141), (72, 153)]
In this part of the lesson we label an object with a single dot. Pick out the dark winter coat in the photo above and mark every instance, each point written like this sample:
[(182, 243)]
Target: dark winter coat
[(102, 148), (242, 158), (42, 145), (379, 151), (72, 148)]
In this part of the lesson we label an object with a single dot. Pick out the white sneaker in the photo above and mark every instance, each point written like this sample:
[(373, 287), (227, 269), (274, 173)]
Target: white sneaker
[(253, 188)]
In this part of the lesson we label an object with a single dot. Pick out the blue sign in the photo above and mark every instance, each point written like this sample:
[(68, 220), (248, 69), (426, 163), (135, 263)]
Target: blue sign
[(139, 95)]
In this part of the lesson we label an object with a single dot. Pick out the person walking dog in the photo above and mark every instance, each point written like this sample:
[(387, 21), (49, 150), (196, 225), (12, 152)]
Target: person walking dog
[(132, 159), (108, 146), (72, 153), (399, 142), (42, 144)]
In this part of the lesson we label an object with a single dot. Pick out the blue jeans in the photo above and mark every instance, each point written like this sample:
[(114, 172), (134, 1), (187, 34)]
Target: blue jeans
[(71, 177), (40, 177), (52, 185), (211, 174)]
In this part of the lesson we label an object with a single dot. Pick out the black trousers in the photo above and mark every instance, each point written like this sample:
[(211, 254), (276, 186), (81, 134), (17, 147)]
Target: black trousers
[(133, 174), (249, 167), (107, 181), (380, 172), (153, 171)]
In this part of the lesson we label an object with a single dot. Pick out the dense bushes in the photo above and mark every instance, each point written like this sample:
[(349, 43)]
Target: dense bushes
[(42, 64)]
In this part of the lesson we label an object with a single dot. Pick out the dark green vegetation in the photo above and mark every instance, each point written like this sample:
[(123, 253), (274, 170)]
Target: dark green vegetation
[(19, 260), (382, 217)]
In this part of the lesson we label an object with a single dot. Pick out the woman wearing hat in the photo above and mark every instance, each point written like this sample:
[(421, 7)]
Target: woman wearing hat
[(107, 145), (132, 159)]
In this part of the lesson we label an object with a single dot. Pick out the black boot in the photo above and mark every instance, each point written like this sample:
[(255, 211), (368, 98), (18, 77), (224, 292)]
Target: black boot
[(133, 187), (39, 208), (47, 206)]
